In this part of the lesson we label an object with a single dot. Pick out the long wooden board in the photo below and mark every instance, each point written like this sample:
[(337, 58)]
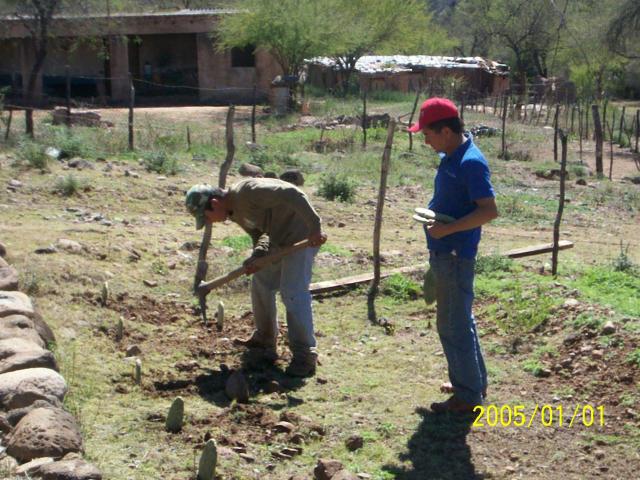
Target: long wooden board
[(537, 249), (332, 285)]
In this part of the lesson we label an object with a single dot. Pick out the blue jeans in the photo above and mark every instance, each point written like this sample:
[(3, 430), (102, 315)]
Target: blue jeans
[(456, 325), (291, 276)]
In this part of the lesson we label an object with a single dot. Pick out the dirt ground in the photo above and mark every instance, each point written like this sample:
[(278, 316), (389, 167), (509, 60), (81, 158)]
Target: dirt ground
[(369, 384)]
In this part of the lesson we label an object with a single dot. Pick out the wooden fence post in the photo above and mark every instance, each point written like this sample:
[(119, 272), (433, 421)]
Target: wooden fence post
[(621, 125), (555, 133), (637, 128), (8, 130), (609, 126), (68, 96), (413, 112), (377, 227), (231, 148), (132, 99), (364, 120), (188, 139), (556, 224), (597, 127), (586, 122), (253, 115), (505, 102)]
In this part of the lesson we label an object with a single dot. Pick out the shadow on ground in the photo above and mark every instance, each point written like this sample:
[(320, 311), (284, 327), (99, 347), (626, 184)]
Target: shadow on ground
[(437, 450)]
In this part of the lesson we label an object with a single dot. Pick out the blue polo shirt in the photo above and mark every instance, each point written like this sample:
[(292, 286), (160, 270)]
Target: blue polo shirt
[(462, 177)]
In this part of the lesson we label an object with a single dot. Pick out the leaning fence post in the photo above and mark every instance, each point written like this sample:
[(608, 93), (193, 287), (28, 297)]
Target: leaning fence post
[(188, 139), (231, 148), (598, 135), (132, 99), (505, 103), (609, 126), (377, 227), (556, 224), (580, 129), (413, 112)]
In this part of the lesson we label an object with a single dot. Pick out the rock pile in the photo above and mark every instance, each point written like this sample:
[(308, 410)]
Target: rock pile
[(39, 438)]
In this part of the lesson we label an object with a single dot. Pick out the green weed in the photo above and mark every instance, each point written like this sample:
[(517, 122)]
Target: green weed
[(533, 366), (487, 264), (401, 288), (634, 357), (338, 187), (160, 162), (619, 289), (335, 250), (238, 242), (587, 320), (68, 185), (33, 154)]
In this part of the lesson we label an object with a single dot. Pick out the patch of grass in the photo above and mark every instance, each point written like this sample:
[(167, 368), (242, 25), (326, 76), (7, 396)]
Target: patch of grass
[(634, 357), (72, 145), (533, 366), (238, 242), (623, 263), (32, 153), (587, 320), (487, 264), (401, 288), (620, 290), (69, 185), (577, 170), (337, 187), (335, 250), (160, 162)]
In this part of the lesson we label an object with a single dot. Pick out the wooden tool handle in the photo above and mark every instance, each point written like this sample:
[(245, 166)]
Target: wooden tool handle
[(260, 263)]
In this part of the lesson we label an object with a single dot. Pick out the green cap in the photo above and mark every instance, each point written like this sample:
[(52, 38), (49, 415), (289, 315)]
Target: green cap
[(196, 201)]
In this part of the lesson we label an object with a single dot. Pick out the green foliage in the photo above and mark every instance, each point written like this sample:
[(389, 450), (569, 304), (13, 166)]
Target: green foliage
[(623, 263), (338, 187), (160, 162), (634, 357), (533, 366), (291, 29), (68, 185), (587, 320), (72, 144), (487, 264), (401, 288), (238, 242), (619, 289), (33, 154), (335, 250)]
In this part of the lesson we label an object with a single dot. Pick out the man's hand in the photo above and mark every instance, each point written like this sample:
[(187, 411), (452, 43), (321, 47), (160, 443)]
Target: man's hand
[(317, 239), (438, 230)]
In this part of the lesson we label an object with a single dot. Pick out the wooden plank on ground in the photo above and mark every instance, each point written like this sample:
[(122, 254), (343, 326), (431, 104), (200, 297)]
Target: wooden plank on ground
[(331, 285), (537, 249)]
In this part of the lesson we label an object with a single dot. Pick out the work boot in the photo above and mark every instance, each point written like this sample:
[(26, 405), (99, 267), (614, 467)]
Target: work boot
[(452, 405), (259, 351), (302, 365)]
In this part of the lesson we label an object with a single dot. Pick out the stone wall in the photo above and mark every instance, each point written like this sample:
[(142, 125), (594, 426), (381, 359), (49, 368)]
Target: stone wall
[(38, 438)]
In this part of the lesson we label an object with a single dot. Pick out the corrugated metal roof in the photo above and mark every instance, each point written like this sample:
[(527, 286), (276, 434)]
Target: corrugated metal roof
[(408, 63), (176, 13)]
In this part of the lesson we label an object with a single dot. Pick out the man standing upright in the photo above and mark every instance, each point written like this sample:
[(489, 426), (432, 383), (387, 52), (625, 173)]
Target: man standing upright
[(462, 190), (275, 214)]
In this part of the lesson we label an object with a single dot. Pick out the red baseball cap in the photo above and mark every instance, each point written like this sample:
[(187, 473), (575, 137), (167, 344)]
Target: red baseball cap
[(433, 110)]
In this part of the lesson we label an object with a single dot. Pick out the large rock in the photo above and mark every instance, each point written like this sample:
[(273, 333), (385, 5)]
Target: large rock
[(43, 329), (8, 278), (15, 303), (250, 170), (18, 354), (3, 250), (14, 416), (293, 176), (76, 469), (19, 326), (45, 432), (23, 387), (326, 469)]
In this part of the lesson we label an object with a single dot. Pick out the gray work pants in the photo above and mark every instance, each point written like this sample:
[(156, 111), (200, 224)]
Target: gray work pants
[(291, 276)]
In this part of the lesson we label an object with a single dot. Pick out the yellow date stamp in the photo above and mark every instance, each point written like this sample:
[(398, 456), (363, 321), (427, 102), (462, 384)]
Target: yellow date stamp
[(547, 415)]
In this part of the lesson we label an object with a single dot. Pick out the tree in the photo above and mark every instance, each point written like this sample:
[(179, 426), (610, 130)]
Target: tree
[(292, 30), (624, 30), (360, 27)]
